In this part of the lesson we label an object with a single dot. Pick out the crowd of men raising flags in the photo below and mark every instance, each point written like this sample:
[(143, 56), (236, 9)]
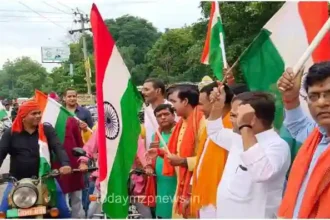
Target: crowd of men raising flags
[(207, 151), (215, 155), (222, 157)]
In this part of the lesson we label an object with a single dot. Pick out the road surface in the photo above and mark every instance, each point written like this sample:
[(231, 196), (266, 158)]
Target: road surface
[(4, 169)]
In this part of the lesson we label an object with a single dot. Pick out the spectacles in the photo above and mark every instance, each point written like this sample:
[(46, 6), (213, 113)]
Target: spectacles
[(314, 97)]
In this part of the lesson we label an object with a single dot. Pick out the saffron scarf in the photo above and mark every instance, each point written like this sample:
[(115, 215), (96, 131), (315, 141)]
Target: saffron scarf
[(44, 166), (205, 186), (316, 198), (187, 149)]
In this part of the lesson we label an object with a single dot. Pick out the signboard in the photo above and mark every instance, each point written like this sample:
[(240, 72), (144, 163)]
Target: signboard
[(85, 99), (55, 54)]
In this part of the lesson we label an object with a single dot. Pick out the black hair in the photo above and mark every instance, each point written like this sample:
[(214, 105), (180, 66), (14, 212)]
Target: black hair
[(239, 88), (317, 73), (164, 107), (209, 88), (262, 103), (170, 90), (157, 84), (69, 89), (189, 92)]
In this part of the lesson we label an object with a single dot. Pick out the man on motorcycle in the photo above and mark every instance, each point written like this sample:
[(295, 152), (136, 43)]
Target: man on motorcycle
[(21, 142)]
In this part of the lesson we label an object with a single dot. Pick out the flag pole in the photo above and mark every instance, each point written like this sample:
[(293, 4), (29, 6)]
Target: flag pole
[(155, 128), (238, 59), (222, 41), (75, 117), (316, 41)]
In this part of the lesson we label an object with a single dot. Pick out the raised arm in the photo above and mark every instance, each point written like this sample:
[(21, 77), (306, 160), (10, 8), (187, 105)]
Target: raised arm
[(266, 162), (296, 121), (215, 130), (223, 137)]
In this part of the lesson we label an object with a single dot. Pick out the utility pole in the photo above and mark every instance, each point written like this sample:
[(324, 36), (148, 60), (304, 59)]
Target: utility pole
[(82, 20)]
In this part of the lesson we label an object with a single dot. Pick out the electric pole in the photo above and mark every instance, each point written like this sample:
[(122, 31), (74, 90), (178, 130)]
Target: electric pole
[(83, 19)]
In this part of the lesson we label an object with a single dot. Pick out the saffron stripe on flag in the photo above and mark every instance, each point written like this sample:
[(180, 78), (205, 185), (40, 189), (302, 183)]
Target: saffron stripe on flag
[(118, 103)]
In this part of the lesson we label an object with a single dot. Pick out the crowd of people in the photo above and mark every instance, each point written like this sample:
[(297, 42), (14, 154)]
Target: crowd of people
[(219, 156), (214, 152)]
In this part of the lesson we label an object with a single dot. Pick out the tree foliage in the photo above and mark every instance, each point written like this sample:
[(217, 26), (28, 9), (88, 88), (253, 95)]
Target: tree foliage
[(19, 78), (173, 55)]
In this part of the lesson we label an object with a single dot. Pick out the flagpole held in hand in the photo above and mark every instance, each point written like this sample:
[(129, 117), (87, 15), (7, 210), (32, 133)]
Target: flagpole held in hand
[(316, 41), (157, 131)]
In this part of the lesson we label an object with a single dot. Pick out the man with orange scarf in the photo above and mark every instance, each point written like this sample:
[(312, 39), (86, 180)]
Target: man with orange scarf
[(22, 143), (308, 190), (210, 156), (180, 158)]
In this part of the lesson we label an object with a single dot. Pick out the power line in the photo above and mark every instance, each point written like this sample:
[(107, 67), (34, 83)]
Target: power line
[(56, 8), (26, 11), (42, 15), (27, 21), (22, 16), (65, 5)]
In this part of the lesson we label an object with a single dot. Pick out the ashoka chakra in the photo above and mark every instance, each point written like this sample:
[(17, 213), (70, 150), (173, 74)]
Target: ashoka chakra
[(112, 125)]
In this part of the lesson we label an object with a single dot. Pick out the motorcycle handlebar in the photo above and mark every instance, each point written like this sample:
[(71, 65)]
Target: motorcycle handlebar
[(6, 177), (56, 173)]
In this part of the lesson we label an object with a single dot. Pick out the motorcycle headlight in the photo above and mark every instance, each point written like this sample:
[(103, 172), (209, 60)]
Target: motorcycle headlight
[(25, 196)]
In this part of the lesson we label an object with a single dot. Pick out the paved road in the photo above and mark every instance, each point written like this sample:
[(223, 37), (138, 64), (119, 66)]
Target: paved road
[(4, 169)]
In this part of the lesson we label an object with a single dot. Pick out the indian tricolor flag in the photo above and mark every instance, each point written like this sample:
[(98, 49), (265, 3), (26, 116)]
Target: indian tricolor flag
[(56, 115), (118, 104), (214, 48), (53, 113), (280, 44)]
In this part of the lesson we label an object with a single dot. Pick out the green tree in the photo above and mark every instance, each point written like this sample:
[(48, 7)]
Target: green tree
[(134, 32), (134, 37), (167, 57), (19, 78)]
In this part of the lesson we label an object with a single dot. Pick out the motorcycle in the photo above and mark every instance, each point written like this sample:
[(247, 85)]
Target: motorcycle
[(29, 197)]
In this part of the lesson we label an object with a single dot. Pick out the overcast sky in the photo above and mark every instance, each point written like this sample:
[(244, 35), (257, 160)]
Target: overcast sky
[(28, 25)]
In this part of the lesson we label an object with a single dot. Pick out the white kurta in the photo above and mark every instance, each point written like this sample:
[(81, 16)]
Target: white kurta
[(253, 181)]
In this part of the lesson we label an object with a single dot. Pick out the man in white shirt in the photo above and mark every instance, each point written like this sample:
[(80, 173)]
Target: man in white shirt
[(153, 92), (258, 159)]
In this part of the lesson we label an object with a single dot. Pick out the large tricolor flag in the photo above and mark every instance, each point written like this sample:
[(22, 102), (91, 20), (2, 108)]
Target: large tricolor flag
[(214, 48), (119, 103), (280, 44), (56, 115)]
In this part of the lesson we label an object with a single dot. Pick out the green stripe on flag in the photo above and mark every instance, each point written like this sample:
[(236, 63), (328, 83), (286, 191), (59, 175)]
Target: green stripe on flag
[(60, 126), (262, 66), (216, 59), (117, 201), (45, 168)]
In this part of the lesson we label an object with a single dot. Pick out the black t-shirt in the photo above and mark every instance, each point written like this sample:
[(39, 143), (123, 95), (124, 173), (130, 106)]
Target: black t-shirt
[(23, 149)]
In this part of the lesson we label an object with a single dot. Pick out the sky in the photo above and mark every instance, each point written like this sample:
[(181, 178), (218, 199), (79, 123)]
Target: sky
[(28, 25)]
